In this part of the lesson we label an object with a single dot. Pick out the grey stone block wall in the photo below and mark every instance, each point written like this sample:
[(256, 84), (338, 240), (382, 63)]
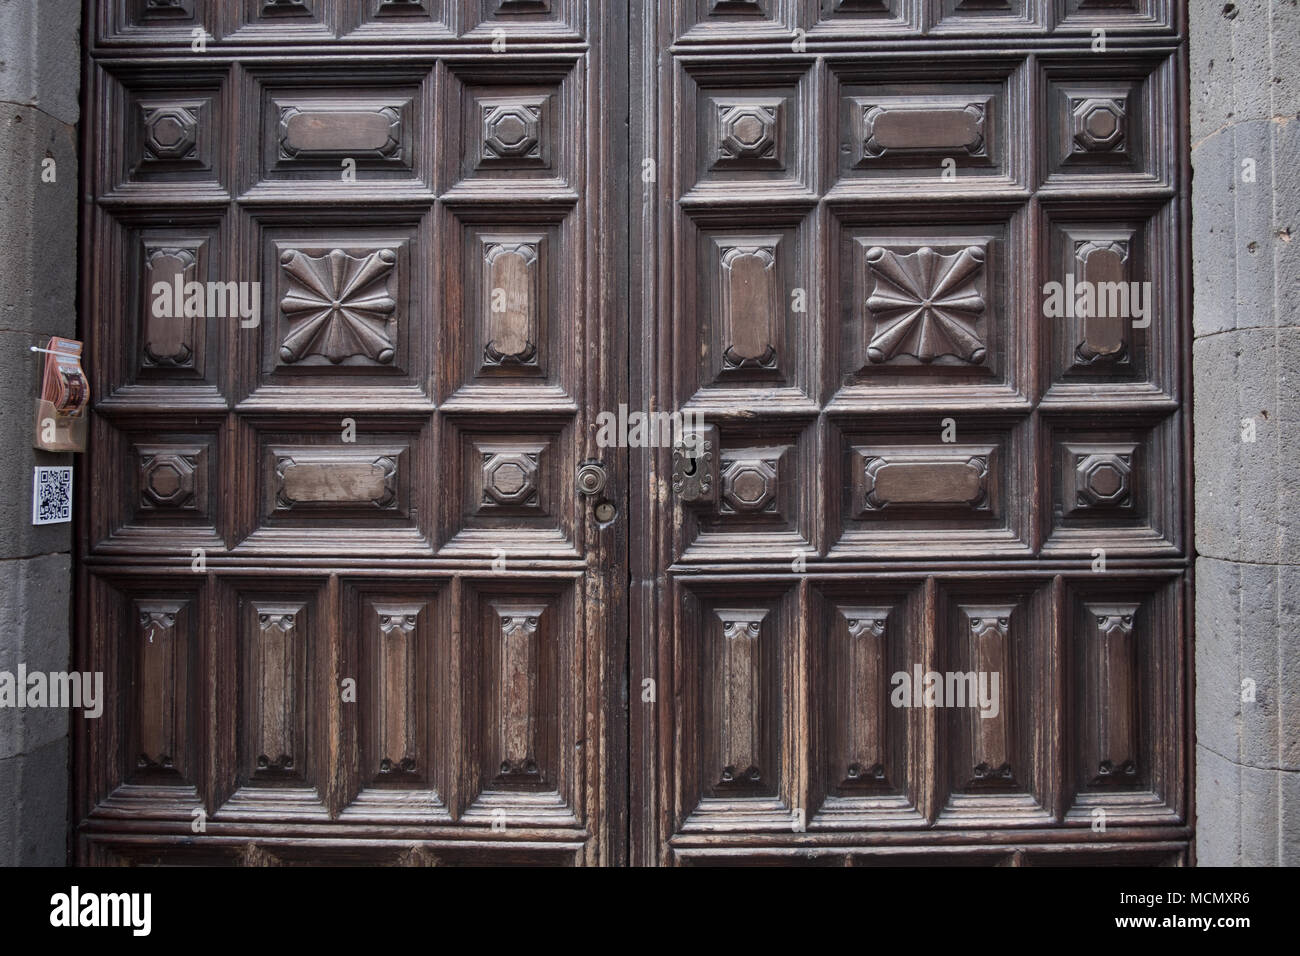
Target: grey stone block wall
[(39, 88), (1245, 105)]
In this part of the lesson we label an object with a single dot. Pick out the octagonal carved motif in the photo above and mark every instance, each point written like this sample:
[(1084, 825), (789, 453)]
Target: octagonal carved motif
[(749, 131), (512, 130), (749, 485), (1103, 480), (510, 479), (171, 478), (171, 133), (1097, 124)]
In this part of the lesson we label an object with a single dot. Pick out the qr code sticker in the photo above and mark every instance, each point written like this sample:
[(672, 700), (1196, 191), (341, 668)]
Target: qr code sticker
[(52, 496)]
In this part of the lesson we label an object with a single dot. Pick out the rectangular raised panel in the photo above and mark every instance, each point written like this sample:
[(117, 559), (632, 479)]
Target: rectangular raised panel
[(751, 300), (739, 760), (315, 478), (1110, 735), (169, 338), (517, 701), (891, 479), (990, 734), (328, 130), (285, 7), (518, 693), (393, 730), (167, 10), (163, 721), (512, 293), (859, 671), (1103, 307), (273, 692), (910, 128), (972, 15)]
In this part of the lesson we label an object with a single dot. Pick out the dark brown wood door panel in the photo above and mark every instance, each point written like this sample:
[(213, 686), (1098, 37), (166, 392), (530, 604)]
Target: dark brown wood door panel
[(337, 566), (341, 564), (905, 464)]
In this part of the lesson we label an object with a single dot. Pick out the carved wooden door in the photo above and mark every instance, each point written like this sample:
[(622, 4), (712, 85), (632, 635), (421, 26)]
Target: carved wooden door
[(356, 567), (917, 591), (348, 277)]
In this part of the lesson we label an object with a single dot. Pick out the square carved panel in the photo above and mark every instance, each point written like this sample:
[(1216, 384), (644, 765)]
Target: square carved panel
[(171, 134), (924, 308), (1104, 487), (1101, 126), (515, 127), (161, 488), (511, 490), (747, 128), (346, 308), (765, 500)]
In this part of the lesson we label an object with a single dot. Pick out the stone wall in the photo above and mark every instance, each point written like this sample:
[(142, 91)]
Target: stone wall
[(1245, 105), (40, 71)]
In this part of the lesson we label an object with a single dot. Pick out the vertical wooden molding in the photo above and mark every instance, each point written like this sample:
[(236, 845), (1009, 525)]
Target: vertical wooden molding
[(1113, 707), (396, 725), (860, 757), (740, 728), (278, 724), (988, 653), (517, 704), (162, 689)]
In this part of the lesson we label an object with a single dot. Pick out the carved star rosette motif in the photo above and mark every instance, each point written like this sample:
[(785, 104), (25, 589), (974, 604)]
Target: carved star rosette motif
[(338, 306), (926, 304)]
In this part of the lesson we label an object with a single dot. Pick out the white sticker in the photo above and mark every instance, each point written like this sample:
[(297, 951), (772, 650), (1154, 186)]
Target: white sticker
[(52, 495)]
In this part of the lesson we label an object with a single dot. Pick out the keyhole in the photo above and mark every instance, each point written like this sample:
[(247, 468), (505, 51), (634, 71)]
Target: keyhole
[(692, 464)]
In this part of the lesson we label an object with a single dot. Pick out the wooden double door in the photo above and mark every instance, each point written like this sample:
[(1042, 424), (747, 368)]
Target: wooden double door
[(381, 564)]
